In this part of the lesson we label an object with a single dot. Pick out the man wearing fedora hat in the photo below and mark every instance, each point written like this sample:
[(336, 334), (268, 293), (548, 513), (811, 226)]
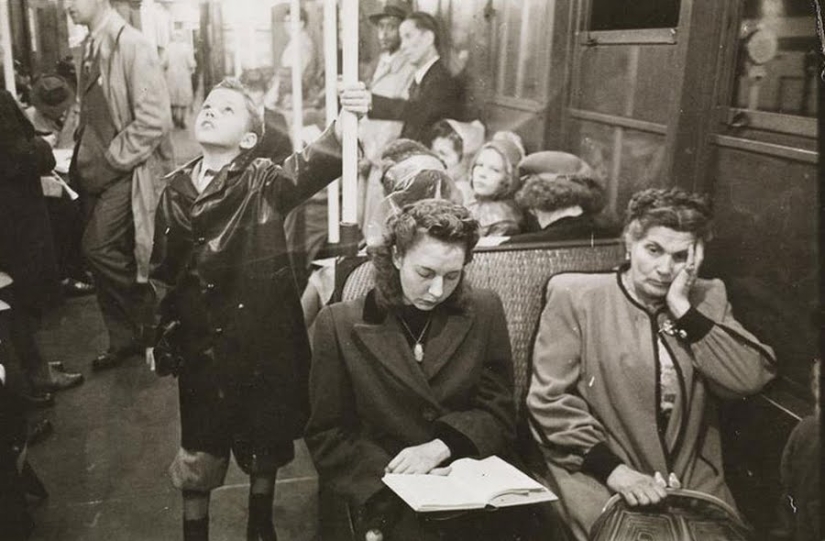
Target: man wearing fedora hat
[(390, 75)]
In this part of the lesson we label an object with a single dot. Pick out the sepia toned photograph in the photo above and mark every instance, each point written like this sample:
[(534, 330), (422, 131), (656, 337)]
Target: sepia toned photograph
[(402, 270)]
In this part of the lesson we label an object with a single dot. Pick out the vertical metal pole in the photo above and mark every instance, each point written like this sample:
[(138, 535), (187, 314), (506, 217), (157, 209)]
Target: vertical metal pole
[(297, 75), (349, 20), (8, 58), (331, 75)]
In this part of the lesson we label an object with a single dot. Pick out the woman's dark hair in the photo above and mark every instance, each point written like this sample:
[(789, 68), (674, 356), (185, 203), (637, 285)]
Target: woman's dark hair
[(550, 192), (442, 129), (436, 218), (672, 208), (426, 22)]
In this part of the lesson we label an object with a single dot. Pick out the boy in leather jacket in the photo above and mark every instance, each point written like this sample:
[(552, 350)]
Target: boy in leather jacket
[(227, 311)]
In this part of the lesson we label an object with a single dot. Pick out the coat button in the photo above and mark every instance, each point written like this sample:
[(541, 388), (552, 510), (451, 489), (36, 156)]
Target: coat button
[(201, 240), (429, 415), (210, 286), (218, 330)]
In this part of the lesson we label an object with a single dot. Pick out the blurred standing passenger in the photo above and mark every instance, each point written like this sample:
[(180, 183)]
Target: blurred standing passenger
[(26, 249), (54, 114), (180, 64), (122, 152), (433, 94), (391, 76)]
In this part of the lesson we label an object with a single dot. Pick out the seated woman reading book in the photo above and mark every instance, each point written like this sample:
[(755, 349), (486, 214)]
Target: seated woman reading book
[(416, 374)]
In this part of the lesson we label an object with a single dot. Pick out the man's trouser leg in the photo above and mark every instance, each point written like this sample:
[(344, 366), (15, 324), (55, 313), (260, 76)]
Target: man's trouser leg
[(108, 244)]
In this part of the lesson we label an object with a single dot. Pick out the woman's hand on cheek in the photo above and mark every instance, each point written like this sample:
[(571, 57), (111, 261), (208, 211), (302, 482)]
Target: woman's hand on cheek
[(421, 459), (636, 488), (678, 300)]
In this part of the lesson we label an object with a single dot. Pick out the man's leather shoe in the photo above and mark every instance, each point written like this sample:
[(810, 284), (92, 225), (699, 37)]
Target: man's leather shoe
[(37, 400), (113, 358), (58, 380)]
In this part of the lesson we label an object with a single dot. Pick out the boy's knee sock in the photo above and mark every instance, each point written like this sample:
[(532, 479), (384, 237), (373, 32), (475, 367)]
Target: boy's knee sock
[(259, 525), (195, 515), (196, 530)]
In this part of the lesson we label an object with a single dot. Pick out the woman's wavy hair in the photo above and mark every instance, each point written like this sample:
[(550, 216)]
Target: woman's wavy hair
[(672, 208), (437, 218), (549, 192)]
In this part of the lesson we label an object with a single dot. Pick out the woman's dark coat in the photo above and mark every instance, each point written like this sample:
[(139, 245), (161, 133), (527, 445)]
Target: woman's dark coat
[(26, 246), (220, 266), (370, 398)]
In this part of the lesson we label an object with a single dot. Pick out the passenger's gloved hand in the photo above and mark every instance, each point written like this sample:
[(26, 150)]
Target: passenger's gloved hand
[(168, 360)]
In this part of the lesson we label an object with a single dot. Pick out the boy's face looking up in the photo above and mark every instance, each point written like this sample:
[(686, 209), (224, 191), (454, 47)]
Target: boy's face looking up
[(224, 122)]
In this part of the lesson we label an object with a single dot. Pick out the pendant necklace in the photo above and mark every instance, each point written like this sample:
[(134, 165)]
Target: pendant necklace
[(418, 348)]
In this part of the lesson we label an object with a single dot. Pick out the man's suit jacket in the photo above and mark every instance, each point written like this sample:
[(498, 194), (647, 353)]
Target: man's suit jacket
[(370, 398), (436, 97)]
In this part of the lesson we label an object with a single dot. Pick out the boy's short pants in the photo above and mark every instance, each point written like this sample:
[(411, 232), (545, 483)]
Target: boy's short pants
[(218, 416)]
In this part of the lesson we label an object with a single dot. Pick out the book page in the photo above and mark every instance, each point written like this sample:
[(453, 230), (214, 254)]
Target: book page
[(493, 477), (432, 492), (471, 484)]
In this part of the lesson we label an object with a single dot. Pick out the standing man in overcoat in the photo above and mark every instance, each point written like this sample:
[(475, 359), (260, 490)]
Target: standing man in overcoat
[(122, 152), (390, 76)]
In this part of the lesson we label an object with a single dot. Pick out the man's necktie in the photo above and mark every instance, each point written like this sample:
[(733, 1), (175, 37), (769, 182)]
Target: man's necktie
[(88, 57), (413, 90)]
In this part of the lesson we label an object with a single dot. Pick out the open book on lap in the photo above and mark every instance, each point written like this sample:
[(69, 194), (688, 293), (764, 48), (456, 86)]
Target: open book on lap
[(471, 484)]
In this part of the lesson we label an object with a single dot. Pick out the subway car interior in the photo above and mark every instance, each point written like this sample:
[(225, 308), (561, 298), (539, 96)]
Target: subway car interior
[(713, 104)]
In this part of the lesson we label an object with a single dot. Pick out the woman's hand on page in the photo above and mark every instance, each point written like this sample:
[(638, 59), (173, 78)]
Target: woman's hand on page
[(420, 459)]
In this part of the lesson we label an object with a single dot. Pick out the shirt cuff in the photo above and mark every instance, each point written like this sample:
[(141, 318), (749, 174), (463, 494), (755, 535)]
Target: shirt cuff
[(599, 462), (460, 445), (695, 325)]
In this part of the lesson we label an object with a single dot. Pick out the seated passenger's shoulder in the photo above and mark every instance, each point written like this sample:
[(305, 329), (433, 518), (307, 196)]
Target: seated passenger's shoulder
[(582, 281)]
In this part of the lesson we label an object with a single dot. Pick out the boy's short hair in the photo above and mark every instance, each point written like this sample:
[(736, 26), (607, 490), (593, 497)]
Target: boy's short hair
[(256, 119)]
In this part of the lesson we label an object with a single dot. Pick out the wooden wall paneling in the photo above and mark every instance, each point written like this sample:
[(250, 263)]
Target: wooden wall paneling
[(605, 79), (641, 165), (766, 249), (654, 91), (559, 76), (700, 35), (595, 143)]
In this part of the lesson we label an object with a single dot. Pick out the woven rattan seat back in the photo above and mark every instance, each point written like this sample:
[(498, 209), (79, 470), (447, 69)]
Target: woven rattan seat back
[(519, 276)]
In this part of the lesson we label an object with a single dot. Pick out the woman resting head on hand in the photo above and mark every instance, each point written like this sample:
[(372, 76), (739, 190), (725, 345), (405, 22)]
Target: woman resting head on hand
[(629, 366)]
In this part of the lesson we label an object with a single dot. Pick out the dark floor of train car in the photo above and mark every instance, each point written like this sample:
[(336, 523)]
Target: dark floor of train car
[(105, 466)]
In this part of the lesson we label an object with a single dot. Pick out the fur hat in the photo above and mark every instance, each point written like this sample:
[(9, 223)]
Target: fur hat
[(557, 180)]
